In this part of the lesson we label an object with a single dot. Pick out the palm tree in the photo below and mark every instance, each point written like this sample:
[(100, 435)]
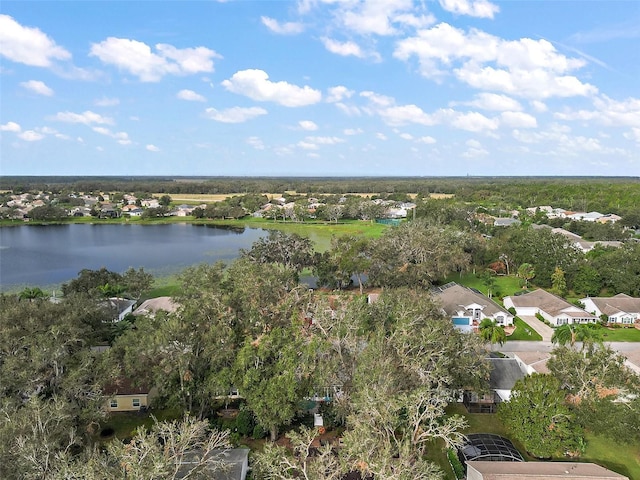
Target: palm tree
[(32, 294), (491, 332), (576, 332)]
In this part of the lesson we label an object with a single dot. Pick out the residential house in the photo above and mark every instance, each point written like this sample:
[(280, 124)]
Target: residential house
[(585, 217), (506, 222), (487, 470), (554, 309), (468, 307), (505, 372), (532, 362), (121, 307), (609, 218), (153, 305), (124, 396), (620, 308)]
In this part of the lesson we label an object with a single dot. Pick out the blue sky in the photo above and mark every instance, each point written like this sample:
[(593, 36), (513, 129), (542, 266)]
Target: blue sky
[(320, 87)]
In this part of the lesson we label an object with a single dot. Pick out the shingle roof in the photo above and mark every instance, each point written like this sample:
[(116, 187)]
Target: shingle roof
[(543, 471), (548, 303), (618, 303), (453, 296), (505, 372)]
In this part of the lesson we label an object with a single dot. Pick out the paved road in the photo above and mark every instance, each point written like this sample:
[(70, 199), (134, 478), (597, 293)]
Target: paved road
[(523, 346)]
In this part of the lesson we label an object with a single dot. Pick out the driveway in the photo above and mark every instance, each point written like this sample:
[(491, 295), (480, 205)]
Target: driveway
[(545, 331)]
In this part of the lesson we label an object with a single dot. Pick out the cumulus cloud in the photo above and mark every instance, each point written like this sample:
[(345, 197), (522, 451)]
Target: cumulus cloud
[(607, 111), (633, 134), (31, 136), (87, 118), (138, 59), (286, 28), (352, 131), (470, 121), (381, 136), (474, 8), (339, 93), (190, 95), (404, 114), (28, 45), (10, 127), (152, 148), (325, 140), (494, 101), (308, 125), (256, 85), (524, 67), (426, 139), (121, 137), (344, 49), (36, 86), (234, 114), (518, 120), (106, 102), (256, 143)]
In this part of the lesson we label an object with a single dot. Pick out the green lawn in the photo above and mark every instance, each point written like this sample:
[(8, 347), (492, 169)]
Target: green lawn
[(523, 331), (621, 335), (504, 286), (124, 424)]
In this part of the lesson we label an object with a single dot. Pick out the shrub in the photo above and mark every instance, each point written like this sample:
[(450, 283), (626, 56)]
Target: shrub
[(259, 432), (244, 422), (512, 311), (456, 464)]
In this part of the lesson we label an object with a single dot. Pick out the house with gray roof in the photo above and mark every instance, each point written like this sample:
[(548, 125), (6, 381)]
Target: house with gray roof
[(468, 307), (620, 308), (554, 309), (504, 374), (486, 470)]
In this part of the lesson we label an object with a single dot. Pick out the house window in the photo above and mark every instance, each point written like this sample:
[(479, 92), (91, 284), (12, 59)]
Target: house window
[(136, 402), (627, 320), (563, 321), (500, 320), (113, 403)]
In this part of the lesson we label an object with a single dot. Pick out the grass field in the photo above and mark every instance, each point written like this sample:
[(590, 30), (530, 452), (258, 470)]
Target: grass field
[(621, 335), (505, 284), (524, 332)]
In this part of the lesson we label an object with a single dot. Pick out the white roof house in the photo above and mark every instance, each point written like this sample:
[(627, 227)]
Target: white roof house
[(468, 307), (620, 308), (555, 310)]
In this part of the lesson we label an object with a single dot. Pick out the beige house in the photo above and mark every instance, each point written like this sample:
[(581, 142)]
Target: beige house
[(620, 308), (123, 396), (552, 308), (482, 470)]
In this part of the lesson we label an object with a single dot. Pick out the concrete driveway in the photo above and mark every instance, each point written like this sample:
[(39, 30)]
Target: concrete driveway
[(545, 331)]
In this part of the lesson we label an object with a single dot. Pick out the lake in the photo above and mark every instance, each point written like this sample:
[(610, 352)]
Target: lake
[(47, 256)]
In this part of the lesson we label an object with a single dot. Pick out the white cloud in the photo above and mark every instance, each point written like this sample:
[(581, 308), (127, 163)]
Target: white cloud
[(234, 114), (256, 85), (287, 28), (633, 134), (307, 145), (608, 112), (10, 127), (121, 137), (137, 58), (402, 115), (377, 99), (325, 140), (539, 106), (31, 136), (470, 121), (86, 118), (427, 139), (343, 48), (474, 8), (190, 95), (152, 148), (339, 93), (352, 131), (381, 136), (106, 102), (308, 125), (36, 86), (406, 136), (524, 67), (28, 45), (256, 143), (518, 120), (494, 101)]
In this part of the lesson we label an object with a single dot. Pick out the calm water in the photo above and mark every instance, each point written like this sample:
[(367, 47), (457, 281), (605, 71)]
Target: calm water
[(50, 255)]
